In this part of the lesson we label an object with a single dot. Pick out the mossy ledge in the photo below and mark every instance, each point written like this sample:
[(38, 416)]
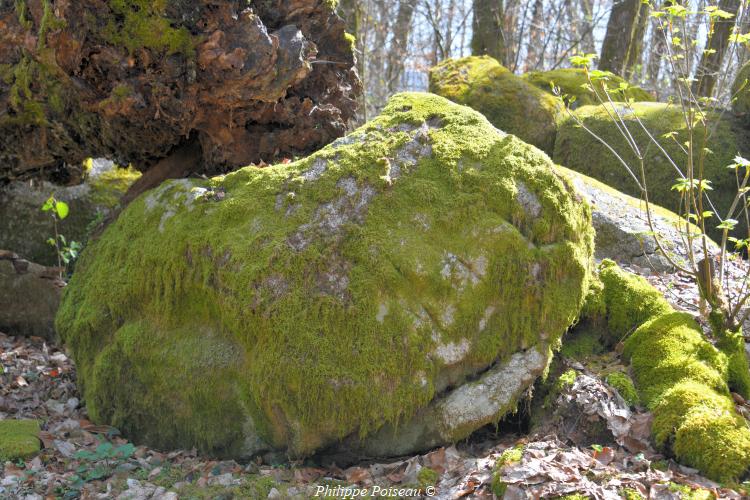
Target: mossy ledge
[(573, 82), (577, 149), (509, 102), (680, 376), (289, 307)]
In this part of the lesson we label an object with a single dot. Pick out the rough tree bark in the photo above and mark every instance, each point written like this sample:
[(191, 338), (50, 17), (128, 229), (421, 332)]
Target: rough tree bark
[(231, 81), (488, 37), (714, 50), (398, 46), (621, 31), (635, 51)]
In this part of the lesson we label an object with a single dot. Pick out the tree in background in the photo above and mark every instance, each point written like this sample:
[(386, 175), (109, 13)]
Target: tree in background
[(624, 39), (717, 43), (488, 37)]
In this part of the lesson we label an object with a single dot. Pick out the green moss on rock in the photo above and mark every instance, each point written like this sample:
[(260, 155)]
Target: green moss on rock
[(682, 378), (291, 306), (508, 102), (578, 150), (574, 83), (741, 92), (625, 387), (629, 301), (19, 439)]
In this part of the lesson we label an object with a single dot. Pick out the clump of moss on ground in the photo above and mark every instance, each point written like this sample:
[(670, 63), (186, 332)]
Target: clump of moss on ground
[(680, 376), (216, 321), (19, 439), (510, 456), (508, 102), (625, 387), (574, 83), (578, 150), (629, 300)]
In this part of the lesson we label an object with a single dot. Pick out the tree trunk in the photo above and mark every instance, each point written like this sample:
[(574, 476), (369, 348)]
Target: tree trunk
[(635, 51), (535, 50), (136, 81), (716, 47), (488, 37), (399, 42), (587, 26), (620, 35)]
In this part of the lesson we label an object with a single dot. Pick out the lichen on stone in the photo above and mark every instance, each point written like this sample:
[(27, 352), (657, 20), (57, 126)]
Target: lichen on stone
[(301, 307), (509, 103)]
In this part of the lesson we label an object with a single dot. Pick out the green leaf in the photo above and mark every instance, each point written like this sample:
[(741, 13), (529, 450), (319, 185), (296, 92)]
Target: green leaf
[(48, 204), (62, 209), (728, 224)]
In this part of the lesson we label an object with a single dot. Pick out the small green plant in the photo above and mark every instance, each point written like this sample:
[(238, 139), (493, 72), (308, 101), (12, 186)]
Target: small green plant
[(67, 252), (99, 464)]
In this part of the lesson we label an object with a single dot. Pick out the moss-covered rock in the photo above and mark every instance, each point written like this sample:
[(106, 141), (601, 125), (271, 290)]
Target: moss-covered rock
[(623, 229), (629, 301), (574, 83), (741, 92), (19, 439), (578, 150), (291, 306), (25, 229), (508, 102), (681, 377)]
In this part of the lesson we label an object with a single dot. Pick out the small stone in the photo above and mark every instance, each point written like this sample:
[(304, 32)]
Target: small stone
[(274, 493)]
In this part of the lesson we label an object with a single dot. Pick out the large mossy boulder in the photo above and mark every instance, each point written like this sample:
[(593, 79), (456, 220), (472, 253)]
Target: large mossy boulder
[(578, 150), (289, 307), (741, 93), (573, 82), (509, 102)]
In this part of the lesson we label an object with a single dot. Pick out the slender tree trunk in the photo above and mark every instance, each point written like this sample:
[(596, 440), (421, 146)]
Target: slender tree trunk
[(715, 49), (656, 53), (488, 38), (587, 27), (535, 50), (620, 34), (399, 42), (635, 51)]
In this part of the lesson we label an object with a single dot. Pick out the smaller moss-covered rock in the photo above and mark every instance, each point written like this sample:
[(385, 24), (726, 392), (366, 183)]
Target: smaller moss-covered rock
[(18, 439), (741, 92), (577, 149), (574, 83), (508, 102), (629, 300), (681, 377)]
